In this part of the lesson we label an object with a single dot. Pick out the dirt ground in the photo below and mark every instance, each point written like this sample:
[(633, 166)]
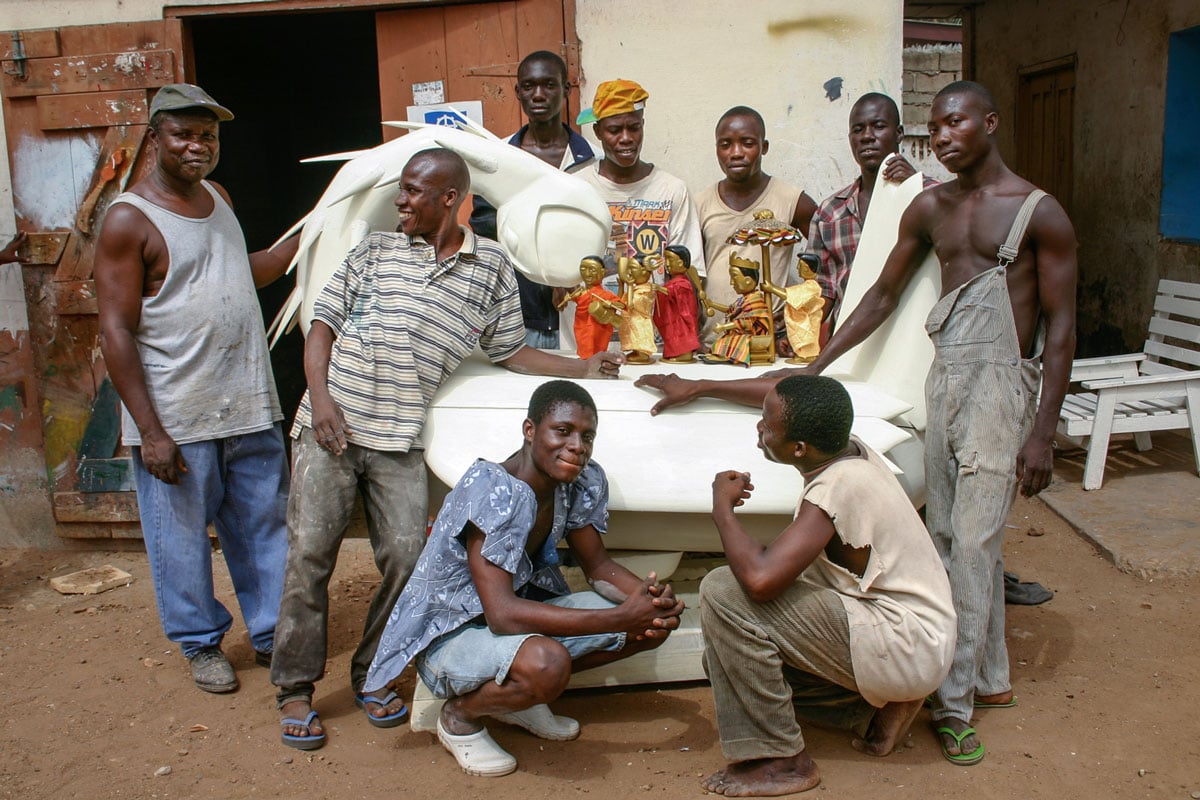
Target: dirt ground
[(97, 704)]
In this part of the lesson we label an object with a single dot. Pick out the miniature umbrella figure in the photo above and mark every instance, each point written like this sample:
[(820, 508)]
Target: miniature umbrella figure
[(748, 334), (636, 330), (677, 315), (803, 306), (597, 309)]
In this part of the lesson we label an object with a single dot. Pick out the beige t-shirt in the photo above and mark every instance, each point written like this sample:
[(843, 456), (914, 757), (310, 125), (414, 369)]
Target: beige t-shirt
[(717, 221), (902, 622)]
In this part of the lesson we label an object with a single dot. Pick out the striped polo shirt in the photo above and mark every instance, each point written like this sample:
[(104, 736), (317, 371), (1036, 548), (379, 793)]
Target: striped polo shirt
[(404, 322)]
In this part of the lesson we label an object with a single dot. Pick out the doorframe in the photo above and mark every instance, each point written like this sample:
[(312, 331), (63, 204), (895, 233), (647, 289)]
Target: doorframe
[(290, 6)]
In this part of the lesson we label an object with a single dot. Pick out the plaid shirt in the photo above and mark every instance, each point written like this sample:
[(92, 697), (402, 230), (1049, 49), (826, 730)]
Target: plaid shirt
[(833, 237)]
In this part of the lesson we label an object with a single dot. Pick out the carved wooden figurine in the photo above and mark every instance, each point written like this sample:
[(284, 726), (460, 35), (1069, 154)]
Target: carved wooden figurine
[(677, 316), (636, 330), (597, 309), (747, 336)]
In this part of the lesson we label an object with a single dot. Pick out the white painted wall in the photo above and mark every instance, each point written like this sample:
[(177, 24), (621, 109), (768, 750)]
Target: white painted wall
[(696, 58)]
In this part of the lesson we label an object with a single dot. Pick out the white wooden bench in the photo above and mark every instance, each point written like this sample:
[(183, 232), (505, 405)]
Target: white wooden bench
[(1138, 393)]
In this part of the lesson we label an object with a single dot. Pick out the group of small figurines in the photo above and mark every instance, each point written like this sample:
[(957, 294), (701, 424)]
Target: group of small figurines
[(747, 336)]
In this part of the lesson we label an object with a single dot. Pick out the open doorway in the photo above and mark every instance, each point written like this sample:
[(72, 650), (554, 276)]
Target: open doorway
[(299, 85)]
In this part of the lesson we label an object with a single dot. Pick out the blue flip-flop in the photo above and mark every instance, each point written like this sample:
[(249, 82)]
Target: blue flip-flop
[(310, 741), (391, 720)]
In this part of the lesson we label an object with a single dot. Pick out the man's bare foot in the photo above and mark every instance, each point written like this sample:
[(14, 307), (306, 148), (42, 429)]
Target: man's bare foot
[(888, 727), (299, 709), (1001, 700), (963, 747), (765, 777)]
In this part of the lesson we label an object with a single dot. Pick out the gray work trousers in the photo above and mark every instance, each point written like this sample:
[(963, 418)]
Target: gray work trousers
[(776, 663), (981, 397), (395, 496)]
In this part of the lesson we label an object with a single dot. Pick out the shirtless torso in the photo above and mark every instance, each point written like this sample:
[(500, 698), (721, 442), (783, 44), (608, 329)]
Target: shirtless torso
[(965, 221)]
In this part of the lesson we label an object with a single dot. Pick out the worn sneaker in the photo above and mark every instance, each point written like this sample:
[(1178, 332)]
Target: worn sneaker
[(212, 672)]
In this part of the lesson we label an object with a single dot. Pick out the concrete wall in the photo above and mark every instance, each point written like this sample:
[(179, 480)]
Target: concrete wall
[(927, 69), (1121, 51), (697, 59)]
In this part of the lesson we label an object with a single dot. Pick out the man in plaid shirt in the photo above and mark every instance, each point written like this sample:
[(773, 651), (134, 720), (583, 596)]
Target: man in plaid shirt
[(875, 133)]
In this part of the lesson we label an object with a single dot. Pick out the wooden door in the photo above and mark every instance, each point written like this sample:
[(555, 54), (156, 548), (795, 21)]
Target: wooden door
[(474, 50), (1045, 128), (75, 111)]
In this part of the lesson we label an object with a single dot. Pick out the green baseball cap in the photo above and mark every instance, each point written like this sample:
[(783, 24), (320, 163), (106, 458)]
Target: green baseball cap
[(178, 96)]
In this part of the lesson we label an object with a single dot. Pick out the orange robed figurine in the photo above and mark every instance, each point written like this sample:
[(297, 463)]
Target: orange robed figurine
[(597, 309), (676, 315)]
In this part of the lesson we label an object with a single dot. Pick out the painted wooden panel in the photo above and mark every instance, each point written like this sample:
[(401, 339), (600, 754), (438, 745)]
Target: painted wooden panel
[(95, 507), (412, 49), (64, 177), (485, 36), (93, 109), (474, 49), (99, 475), (75, 297), (104, 72), (46, 247), (103, 433), (33, 44)]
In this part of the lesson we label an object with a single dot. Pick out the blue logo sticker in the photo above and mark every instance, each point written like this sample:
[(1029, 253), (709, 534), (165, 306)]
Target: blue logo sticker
[(446, 118)]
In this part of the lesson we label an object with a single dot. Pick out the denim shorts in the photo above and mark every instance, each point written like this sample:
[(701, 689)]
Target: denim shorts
[(461, 661)]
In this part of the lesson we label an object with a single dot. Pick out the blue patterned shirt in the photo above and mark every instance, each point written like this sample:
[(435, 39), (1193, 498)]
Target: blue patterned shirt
[(440, 596)]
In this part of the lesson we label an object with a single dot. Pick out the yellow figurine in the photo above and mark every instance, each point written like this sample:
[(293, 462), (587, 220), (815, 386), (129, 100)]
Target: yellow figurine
[(802, 310), (748, 334), (636, 330)]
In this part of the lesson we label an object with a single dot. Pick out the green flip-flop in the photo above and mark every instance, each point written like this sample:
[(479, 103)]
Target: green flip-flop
[(1010, 704), (961, 759)]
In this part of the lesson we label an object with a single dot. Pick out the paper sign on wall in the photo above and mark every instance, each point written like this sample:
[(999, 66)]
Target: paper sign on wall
[(429, 93)]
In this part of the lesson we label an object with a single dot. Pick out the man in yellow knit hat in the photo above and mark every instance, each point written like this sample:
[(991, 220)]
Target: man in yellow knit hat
[(650, 207)]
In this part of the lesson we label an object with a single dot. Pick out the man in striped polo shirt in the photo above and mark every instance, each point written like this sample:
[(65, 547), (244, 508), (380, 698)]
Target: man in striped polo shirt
[(397, 317)]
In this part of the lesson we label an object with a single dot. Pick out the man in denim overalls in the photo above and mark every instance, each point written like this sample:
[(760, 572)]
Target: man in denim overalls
[(987, 430)]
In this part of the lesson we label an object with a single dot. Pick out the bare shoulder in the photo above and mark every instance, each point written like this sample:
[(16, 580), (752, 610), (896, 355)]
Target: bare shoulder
[(221, 191), (1050, 222), (124, 223)]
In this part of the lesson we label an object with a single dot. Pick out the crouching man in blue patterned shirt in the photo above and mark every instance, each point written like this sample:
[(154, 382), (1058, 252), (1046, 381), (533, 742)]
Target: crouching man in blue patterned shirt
[(487, 617)]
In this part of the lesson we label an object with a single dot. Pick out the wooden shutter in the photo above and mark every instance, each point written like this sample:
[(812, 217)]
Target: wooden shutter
[(75, 111)]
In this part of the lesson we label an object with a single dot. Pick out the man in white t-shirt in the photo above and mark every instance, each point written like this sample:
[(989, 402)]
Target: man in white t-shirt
[(730, 204), (650, 207)]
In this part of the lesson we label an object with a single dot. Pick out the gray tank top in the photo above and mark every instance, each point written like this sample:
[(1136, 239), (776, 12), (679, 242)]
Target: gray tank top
[(201, 338)]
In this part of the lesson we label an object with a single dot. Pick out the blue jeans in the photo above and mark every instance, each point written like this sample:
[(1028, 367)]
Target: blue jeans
[(240, 485), (461, 661), (542, 340)]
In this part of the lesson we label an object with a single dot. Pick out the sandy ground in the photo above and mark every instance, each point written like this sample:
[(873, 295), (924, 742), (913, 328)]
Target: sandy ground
[(98, 704)]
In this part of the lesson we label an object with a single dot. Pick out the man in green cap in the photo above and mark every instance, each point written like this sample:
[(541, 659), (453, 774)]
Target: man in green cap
[(182, 335)]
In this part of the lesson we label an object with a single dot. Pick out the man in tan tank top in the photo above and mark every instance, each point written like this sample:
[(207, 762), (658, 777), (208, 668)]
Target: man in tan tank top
[(730, 204)]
